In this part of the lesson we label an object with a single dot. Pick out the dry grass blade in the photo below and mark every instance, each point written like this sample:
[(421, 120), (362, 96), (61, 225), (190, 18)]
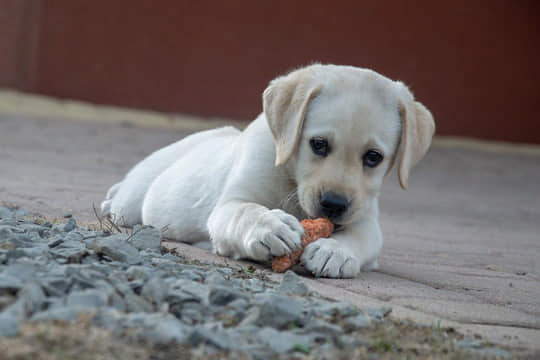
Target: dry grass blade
[(106, 224)]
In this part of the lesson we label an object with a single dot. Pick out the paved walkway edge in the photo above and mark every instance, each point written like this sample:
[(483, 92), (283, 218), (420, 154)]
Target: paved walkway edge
[(48, 107), (74, 110), (505, 335)]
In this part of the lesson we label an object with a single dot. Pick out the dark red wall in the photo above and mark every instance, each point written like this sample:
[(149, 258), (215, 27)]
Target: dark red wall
[(475, 64)]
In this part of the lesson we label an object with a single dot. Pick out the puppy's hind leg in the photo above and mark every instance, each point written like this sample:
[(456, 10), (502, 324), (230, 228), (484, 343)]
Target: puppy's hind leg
[(107, 202), (124, 201), (122, 204)]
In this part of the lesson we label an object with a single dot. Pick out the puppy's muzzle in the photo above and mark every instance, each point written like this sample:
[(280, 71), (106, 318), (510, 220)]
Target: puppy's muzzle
[(333, 205)]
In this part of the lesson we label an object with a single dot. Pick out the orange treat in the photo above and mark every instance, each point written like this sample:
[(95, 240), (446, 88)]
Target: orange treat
[(313, 230)]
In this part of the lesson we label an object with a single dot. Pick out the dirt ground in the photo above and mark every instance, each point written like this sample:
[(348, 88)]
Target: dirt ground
[(80, 341)]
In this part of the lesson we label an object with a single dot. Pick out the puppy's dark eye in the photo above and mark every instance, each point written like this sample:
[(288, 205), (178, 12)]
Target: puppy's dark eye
[(372, 158), (320, 146)]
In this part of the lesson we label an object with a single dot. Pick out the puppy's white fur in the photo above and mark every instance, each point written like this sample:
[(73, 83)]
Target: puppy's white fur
[(246, 191)]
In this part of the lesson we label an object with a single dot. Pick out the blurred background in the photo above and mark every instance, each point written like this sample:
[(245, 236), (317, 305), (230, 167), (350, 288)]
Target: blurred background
[(474, 64)]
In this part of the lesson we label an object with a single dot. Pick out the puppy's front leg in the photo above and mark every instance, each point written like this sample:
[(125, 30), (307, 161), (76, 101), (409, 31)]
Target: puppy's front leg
[(347, 252), (249, 230)]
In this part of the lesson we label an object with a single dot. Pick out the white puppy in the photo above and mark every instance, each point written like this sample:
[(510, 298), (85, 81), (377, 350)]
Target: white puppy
[(322, 147)]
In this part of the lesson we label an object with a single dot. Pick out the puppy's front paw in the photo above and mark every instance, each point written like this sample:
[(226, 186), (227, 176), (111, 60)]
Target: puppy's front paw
[(328, 258), (275, 233)]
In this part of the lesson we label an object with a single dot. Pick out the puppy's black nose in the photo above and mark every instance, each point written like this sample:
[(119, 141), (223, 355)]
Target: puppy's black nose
[(333, 205)]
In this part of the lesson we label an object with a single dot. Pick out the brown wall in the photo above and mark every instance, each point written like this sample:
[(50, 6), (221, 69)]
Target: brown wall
[(475, 64)]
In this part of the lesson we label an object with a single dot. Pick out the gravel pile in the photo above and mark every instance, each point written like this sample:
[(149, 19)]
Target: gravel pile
[(126, 284)]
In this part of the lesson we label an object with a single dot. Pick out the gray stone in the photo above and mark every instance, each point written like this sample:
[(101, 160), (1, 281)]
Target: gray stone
[(119, 282), (357, 322), (337, 309), (109, 318), (191, 274), (9, 222), (215, 337), (155, 290), (221, 295), (15, 254), (349, 342), (33, 228), (216, 278), (116, 248), (136, 286), (33, 297), (32, 253), (54, 285), (280, 312), (254, 285), (9, 285), (19, 213), (137, 272), (282, 342), (293, 284), (167, 329), (9, 324), (47, 224), (493, 352), (91, 298), (30, 299), (65, 314), (480, 349), (179, 296), (469, 344), (135, 303), (54, 242), (322, 327), (239, 305), (377, 315), (225, 271), (6, 300), (73, 236), (116, 301), (191, 312), (166, 266), (194, 289), (16, 240), (24, 269), (5, 213), (70, 225), (82, 276), (71, 251), (158, 327), (145, 237), (5, 233)]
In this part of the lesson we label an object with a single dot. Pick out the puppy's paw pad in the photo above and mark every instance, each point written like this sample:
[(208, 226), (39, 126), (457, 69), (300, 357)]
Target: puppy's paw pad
[(328, 258), (275, 233)]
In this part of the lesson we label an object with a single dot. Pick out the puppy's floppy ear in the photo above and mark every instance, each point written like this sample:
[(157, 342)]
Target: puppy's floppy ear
[(417, 128), (285, 102)]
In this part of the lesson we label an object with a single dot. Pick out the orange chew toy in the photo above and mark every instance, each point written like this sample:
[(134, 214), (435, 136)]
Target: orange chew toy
[(313, 230)]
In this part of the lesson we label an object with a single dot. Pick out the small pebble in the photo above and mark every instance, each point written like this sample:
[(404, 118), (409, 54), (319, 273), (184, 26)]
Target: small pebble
[(70, 225)]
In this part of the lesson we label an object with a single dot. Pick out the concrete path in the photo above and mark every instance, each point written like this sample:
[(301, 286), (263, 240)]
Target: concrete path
[(462, 245)]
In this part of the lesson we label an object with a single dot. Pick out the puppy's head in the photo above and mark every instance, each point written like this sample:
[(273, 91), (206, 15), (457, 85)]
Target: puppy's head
[(340, 129)]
